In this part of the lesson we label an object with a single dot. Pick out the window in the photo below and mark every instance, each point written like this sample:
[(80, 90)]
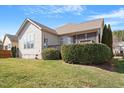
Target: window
[(92, 36), (6, 47), (31, 45), (45, 42), (29, 41), (28, 44), (9, 45), (24, 45), (66, 40)]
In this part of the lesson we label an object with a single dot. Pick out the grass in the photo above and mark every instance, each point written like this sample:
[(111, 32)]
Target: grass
[(51, 73), (119, 65)]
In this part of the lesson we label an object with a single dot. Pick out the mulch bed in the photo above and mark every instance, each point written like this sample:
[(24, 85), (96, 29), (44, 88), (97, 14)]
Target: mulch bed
[(106, 66)]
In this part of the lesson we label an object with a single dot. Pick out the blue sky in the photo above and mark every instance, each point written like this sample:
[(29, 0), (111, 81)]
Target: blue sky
[(11, 17)]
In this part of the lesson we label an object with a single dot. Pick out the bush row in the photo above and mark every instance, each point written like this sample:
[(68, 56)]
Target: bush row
[(80, 54), (86, 53)]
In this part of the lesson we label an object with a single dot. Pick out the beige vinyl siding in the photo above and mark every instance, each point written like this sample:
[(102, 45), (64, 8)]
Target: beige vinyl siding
[(53, 40), (30, 52)]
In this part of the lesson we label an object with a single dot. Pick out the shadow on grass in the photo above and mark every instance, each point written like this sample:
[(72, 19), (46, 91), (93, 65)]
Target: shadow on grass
[(117, 65)]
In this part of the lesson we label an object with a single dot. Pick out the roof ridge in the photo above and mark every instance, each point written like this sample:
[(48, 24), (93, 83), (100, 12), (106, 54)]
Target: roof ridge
[(10, 34), (77, 24), (88, 25), (65, 25), (92, 20)]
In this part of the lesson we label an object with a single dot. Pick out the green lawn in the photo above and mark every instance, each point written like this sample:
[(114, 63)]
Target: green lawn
[(33, 73)]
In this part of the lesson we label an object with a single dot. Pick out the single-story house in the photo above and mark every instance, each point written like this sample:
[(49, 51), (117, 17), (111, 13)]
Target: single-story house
[(33, 37), (10, 41)]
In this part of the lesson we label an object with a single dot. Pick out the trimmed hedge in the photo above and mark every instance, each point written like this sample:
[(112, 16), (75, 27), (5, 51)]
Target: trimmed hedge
[(5, 54), (86, 53), (51, 54)]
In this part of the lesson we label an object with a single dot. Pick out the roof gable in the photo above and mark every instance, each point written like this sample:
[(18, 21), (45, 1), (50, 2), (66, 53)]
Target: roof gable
[(36, 24), (12, 38)]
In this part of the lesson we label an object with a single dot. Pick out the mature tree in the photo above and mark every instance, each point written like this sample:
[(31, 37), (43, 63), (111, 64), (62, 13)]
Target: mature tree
[(0, 41), (110, 37), (1, 47), (105, 35), (14, 50), (119, 34)]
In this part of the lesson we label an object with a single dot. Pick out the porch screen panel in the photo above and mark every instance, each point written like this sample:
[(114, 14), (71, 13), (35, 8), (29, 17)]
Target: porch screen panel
[(92, 36)]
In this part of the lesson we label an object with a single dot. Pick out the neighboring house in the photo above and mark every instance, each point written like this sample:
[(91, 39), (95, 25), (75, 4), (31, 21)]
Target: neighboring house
[(1, 46), (118, 48), (10, 41), (33, 37)]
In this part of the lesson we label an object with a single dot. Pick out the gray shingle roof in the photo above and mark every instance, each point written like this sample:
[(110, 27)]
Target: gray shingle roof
[(13, 38)]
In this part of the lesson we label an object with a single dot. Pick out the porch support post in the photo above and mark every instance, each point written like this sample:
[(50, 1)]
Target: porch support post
[(76, 38), (98, 37)]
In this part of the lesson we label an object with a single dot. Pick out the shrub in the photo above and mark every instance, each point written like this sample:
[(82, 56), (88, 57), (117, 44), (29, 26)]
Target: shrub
[(14, 52), (86, 54), (51, 54), (5, 54)]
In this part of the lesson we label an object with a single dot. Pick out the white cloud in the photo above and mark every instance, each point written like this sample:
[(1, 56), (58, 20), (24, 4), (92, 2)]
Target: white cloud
[(115, 22), (114, 14), (115, 18), (72, 8), (54, 10)]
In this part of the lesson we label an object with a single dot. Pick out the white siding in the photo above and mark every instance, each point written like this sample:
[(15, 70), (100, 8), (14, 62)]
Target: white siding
[(6, 43), (31, 52)]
